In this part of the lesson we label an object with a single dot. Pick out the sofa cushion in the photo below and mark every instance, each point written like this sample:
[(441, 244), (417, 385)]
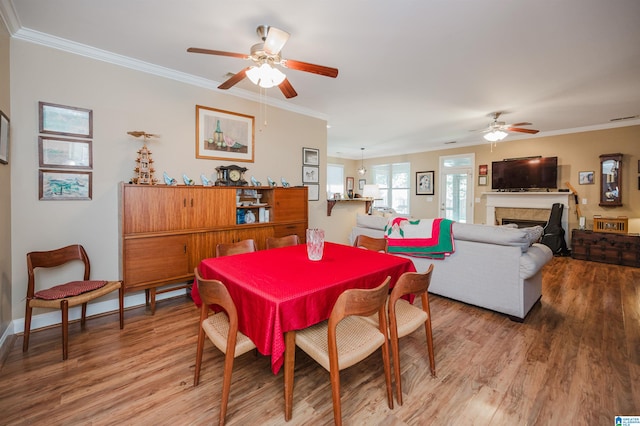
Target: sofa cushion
[(371, 221), (501, 235), (534, 259)]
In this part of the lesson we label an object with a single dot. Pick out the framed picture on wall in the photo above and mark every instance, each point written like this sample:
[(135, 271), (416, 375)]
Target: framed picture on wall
[(65, 120), (310, 174), (64, 153), (482, 180), (313, 193), (424, 183), (586, 178), (224, 135), (310, 157), (64, 185), (4, 138), (361, 184)]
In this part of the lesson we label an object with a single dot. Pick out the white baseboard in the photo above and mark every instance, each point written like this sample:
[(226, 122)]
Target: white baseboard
[(55, 317)]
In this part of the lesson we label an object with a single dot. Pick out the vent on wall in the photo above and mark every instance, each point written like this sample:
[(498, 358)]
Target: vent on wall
[(631, 117)]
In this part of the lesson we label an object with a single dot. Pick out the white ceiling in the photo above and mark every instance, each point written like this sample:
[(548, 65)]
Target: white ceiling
[(414, 74)]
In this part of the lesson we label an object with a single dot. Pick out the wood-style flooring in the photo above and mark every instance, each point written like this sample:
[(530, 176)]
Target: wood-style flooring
[(574, 360)]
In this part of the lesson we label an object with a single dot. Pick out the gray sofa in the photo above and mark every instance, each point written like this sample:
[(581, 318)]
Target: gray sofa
[(494, 267)]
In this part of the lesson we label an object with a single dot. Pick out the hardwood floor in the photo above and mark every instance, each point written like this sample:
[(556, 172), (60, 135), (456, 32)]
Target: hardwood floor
[(574, 360)]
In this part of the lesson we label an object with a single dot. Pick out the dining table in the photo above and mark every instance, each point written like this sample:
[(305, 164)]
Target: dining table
[(279, 291)]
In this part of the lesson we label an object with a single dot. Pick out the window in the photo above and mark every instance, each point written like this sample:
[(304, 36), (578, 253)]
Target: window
[(335, 179), (395, 186)]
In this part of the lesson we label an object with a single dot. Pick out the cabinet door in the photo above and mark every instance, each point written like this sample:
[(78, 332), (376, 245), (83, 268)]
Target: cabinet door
[(290, 204), (153, 261), (150, 209), (208, 207)]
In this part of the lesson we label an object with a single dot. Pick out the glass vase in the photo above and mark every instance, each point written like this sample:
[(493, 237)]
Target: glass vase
[(315, 243)]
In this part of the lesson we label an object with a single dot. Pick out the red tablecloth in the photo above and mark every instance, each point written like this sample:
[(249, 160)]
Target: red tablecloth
[(280, 290)]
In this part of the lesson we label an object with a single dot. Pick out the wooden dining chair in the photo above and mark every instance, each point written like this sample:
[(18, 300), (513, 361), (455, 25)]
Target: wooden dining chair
[(405, 318), (370, 243), (276, 242), (222, 329), (66, 295), (346, 338), (227, 249)]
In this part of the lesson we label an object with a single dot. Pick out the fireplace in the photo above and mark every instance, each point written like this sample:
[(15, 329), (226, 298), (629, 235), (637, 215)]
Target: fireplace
[(527, 201)]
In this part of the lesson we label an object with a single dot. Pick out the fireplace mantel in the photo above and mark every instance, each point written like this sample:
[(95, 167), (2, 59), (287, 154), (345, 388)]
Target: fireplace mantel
[(529, 200)]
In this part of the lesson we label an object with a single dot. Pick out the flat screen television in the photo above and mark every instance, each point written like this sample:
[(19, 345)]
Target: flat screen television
[(522, 174)]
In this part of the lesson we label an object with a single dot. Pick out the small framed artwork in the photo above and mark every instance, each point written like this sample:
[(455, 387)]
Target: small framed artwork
[(350, 183), (313, 191), (4, 138), (310, 157), (424, 183), (224, 135), (482, 180), (310, 174), (483, 169), (585, 178), (64, 153), (361, 184), (65, 120), (65, 185)]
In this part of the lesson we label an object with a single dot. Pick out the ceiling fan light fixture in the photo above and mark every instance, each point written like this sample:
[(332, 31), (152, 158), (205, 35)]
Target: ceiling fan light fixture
[(495, 135), (265, 76), (276, 38)]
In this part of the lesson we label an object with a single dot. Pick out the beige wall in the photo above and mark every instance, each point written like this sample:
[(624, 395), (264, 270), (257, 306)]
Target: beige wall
[(5, 190), (122, 100), (576, 152)]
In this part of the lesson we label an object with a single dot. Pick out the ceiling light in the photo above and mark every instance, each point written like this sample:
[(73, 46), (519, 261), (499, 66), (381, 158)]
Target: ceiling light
[(265, 76), (362, 170), (495, 135)]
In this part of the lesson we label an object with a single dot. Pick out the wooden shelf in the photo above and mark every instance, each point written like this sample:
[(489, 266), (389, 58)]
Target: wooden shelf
[(332, 203)]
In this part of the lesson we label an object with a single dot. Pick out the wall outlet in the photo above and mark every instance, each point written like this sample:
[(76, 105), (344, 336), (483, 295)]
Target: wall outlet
[(584, 201)]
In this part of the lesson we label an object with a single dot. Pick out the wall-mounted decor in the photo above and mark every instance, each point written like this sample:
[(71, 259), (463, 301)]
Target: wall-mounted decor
[(65, 120), (482, 180), (424, 183), (361, 184), (310, 174), (483, 169), (4, 138), (224, 135), (611, 180), (313, 193), (585, 178), (65, 185), (310, 157), (64, 153)]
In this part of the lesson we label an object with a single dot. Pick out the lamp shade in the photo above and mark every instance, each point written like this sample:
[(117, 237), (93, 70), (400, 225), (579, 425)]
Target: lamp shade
[(265, 76), (495, 135), (371, 191)]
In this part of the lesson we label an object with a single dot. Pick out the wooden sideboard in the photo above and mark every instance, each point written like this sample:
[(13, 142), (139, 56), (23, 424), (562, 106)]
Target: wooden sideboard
[(167, 230), (619, 249)]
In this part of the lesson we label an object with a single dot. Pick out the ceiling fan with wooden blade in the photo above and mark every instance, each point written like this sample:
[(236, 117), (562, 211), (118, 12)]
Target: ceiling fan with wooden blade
[(502, 126), (266, 56)]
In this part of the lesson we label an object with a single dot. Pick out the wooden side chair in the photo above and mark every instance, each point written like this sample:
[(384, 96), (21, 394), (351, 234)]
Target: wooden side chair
[(405, 318), (222, 329), (276, 242), (346, 338), (370, 243), (227, 249), (66, 295)]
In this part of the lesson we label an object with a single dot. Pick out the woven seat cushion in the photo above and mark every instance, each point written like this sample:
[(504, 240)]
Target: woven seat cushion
[(69, 289), (408, 317), (216, 327)]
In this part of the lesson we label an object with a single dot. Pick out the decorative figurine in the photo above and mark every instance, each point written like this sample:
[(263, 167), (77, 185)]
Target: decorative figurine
[(205, 181), (187, 181), (169, 180), (285, 184), (144, 170), (254, 182), (272, 184)]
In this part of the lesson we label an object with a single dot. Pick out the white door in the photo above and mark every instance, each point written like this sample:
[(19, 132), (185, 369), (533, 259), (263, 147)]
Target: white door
[(456, 187)]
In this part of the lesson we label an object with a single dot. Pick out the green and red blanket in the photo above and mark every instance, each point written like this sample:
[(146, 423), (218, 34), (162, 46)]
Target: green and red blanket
[(428, 238)]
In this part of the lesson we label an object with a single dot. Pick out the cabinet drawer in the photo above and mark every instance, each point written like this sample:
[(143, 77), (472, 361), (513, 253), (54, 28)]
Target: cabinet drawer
[(300, 229)]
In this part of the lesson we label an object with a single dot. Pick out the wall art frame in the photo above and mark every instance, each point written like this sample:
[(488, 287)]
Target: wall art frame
[(313, 191), (361, 184), (310, 174), (310, 157), (424, 183), (65, 185), (482, 180), (65, 153), (224, 135), (586, 178), (65, 120), (483, 169), (4, 138)]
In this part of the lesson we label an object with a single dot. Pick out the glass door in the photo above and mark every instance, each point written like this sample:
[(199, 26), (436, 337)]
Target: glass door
[(456, 187)]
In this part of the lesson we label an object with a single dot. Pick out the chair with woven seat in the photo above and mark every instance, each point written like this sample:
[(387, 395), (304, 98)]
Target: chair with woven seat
[(276, 242), (346, 338), (405, 318), (222, 329), (370, 243), (227, 249), (66, 295)]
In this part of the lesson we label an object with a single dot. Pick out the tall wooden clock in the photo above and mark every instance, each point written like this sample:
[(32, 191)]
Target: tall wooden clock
[(231, 176)]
